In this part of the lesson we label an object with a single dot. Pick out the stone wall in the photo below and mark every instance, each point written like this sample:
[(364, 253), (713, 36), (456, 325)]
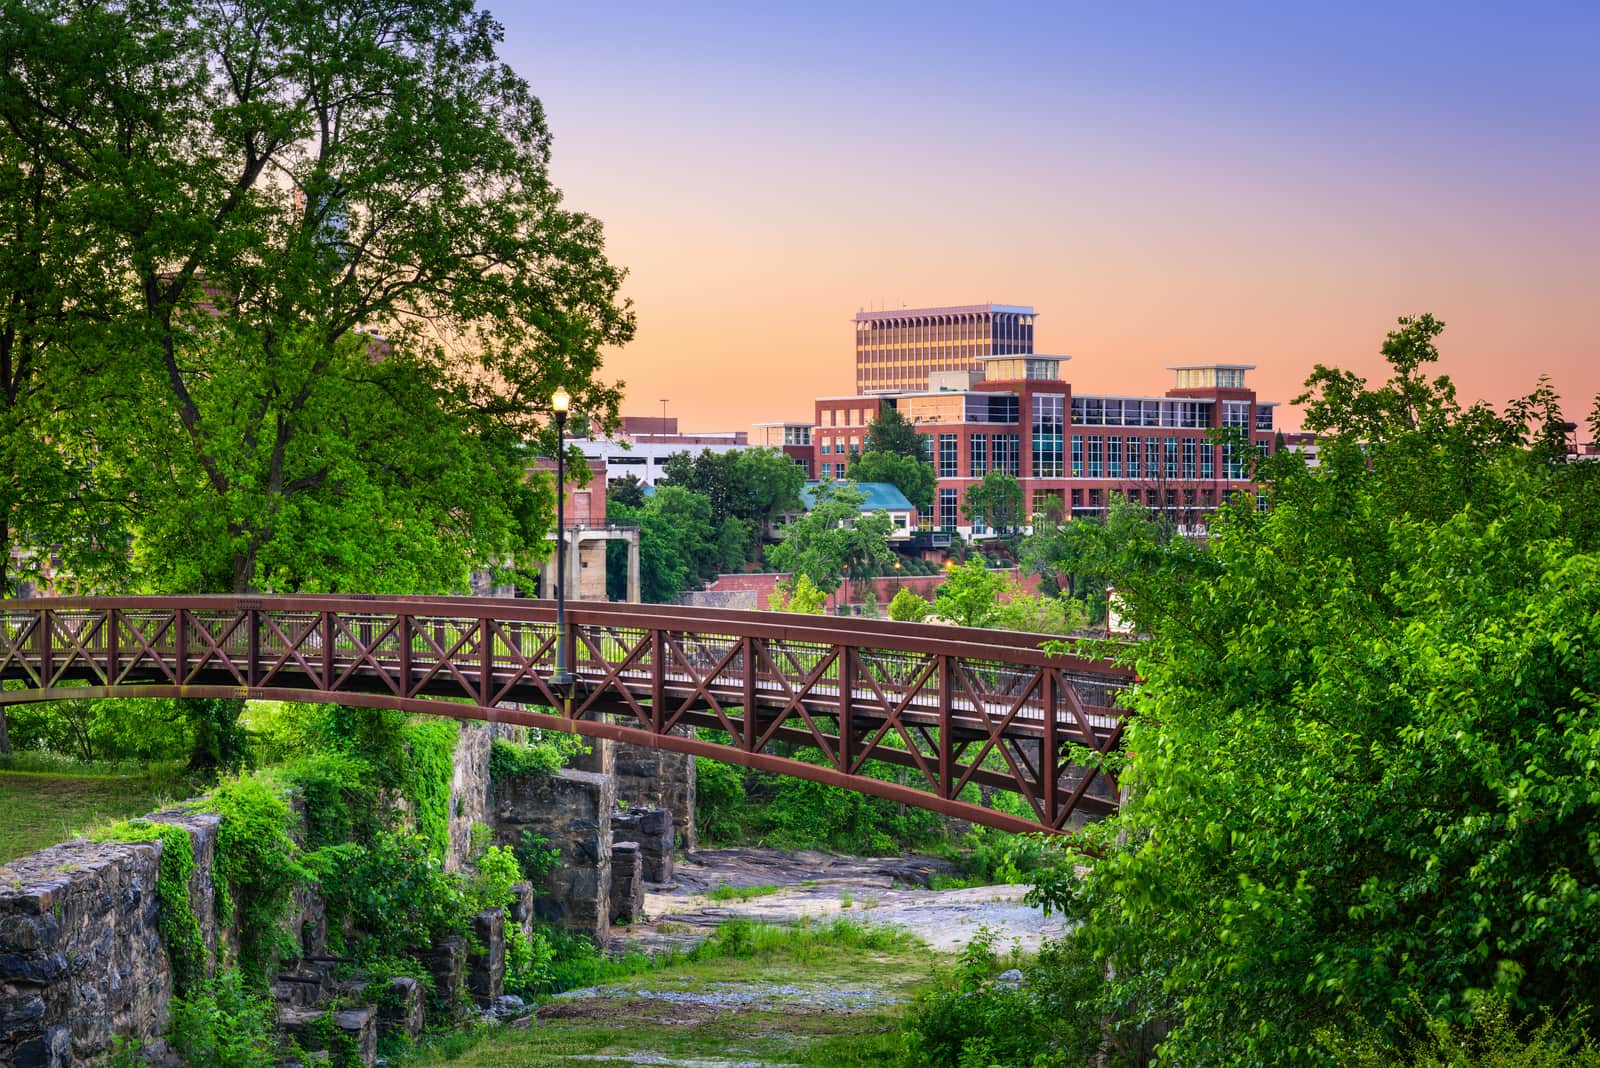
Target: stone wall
[(659, 778), (572, 811), (81, 957), (469, 789)]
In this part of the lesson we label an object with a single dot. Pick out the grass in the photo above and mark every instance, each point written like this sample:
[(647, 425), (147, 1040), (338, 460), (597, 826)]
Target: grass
[(43, 808), (670, 1012), (724, 892)]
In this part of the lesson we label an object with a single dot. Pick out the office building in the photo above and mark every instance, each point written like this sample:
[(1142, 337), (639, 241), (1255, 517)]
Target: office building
[(896, 351)]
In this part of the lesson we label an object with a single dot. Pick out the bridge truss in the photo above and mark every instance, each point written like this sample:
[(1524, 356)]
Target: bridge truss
[(958, 710)]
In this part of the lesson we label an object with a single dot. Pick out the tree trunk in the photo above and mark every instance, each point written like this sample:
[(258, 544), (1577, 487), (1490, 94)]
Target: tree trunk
[(5, 739)]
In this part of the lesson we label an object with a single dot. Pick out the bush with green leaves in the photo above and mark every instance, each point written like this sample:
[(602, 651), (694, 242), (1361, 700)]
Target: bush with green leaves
[(257, 868), (545, 753), (1044, 1020), (1364, 756), (223, 1024)]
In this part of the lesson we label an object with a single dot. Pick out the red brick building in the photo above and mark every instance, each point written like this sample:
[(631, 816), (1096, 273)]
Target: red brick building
[(1068, 451)]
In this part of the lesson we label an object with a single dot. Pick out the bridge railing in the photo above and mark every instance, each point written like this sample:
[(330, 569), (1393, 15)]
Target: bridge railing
[(959, 707)]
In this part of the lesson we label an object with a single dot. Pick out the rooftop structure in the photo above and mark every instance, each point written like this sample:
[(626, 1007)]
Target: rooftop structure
[(897, 350)]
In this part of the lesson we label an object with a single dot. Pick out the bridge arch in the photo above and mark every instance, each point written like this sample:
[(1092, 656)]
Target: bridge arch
[(955, 706)]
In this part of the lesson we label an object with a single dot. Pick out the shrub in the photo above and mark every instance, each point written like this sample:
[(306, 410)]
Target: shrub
[(257, 868), (223, 1025), (907, 607)]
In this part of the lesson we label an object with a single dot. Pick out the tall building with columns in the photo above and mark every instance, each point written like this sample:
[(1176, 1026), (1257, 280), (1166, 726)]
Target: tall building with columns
[(897, 350)]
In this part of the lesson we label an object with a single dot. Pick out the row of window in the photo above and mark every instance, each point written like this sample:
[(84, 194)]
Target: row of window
[(1115, 411), (829, 446)]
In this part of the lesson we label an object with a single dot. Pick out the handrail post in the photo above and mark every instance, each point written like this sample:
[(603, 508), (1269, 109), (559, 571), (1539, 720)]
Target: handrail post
[(113, 665), (847, 704), (180, 647), (946, 742), (748, 652), (658, 679), (1049, 767), (46, 627), (405, 654), (253, 649)]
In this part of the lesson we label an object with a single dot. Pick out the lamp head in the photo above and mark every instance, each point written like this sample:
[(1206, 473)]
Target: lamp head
[(560, 400)]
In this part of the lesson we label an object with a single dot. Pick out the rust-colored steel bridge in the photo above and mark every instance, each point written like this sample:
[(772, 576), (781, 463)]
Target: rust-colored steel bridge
[(956, 709)]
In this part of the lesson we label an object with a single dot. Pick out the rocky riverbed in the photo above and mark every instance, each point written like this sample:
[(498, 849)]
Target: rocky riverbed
[(818, 886)]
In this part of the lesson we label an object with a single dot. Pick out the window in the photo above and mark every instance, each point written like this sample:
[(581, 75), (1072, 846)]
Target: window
[(1264, 417), (827, 447), (1236, 413), (1207, 460), (1046, 503), (978, 454), (1008, 454), (1077, 456), (827, 469), (1096, 456), (1232, 461), (1048, 424), (949, 455), (947, 509), (1113, 457), (1169, 457), (1133, 458), (1188, 458)]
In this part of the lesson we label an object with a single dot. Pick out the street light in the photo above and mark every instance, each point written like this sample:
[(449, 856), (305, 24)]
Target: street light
[(560, 402)]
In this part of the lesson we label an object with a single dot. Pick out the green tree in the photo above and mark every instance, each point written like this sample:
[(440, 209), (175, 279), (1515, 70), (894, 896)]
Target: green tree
[(907, 607), (798, 595), (967, 597), (1363, 760), (834, 536), (772, 485), (254, 191), (627, 491), (893, 432), (912, 477), (996, 502)]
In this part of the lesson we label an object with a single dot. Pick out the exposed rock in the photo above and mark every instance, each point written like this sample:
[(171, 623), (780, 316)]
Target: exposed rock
[(627, 883), (1010, 979), (401, 1010), (486, 969), (659, 778), (469, 790), (572, 810), (446, 961), (651, 828), (507, 1006), (354, 1029)]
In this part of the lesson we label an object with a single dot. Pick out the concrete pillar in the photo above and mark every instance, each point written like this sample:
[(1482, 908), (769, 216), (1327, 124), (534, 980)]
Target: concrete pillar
[(633, 566)]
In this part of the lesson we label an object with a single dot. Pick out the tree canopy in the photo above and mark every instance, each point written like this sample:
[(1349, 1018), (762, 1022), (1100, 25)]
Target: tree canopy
[(1362, 782), (893, 432), (996, 501), (833, 537), (912, 477), (289, 286)]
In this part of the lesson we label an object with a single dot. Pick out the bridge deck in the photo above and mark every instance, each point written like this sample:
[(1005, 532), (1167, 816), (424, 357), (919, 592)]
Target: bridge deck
[(961, 707)]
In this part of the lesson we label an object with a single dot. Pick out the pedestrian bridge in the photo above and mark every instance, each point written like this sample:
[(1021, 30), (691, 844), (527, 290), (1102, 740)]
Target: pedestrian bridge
[(957, 710)]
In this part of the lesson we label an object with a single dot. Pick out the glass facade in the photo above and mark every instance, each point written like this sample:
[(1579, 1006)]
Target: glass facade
[(1077, 456), (978, 454), (1048, 425), (1096, 456), (1113, 457), (949, 456), (1188, 459), (1134, 468), (947, 509)]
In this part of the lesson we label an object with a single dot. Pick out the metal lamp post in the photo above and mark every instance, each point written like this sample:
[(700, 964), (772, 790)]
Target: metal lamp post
[(560, 402)]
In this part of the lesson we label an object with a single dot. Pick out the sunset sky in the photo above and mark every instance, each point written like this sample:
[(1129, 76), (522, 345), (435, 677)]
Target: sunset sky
[(1163, 183)]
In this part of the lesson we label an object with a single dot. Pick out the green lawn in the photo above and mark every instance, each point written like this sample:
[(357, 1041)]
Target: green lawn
[(43, 809), (814, 1005)]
